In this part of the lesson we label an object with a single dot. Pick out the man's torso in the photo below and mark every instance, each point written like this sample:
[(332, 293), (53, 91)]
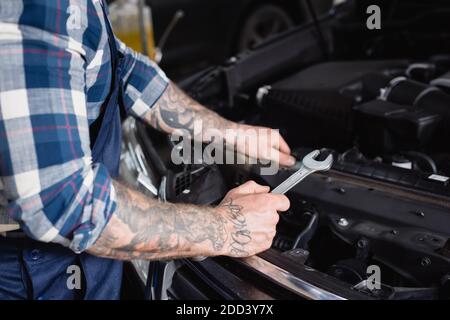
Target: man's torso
[(77, 26)]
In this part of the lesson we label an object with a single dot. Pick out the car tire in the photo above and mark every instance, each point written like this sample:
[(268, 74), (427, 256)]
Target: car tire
[(262, 23)]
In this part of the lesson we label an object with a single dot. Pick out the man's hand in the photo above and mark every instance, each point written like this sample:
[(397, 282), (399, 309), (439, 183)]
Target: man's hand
[(251, 214), (175, 110), (263, 144), (142, 228)]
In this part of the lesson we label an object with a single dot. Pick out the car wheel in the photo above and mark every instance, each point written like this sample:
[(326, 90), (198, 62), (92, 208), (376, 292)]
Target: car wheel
[(262, 23)]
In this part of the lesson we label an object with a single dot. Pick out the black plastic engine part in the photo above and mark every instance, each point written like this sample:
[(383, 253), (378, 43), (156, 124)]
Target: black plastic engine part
[(443, 82), (372, 84), (441, 61), (424, 97), (405, 92), (438, 102), (406, 228), (314, 106), (351, 271), (422, 72), (333, 76), (421, 160), (310, 118), (412, 93), (202, 186), (395, 175), (387, 127)]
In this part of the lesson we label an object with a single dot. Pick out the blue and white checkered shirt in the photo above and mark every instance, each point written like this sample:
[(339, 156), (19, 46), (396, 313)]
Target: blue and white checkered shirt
[(55, 73)]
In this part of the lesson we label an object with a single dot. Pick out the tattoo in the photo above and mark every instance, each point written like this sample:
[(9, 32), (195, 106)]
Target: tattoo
[(143, 228), (176, 110), (241, 236)]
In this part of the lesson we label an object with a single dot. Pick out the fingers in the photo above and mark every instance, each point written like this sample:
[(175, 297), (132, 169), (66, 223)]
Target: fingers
[(284, 147), (270, 145), (251, 187), (277, 202), (284, 153), (284, 159), (279, 143)]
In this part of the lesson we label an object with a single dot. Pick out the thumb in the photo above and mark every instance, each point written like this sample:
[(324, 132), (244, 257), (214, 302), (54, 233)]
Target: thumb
[(278, 202), (251, 187)]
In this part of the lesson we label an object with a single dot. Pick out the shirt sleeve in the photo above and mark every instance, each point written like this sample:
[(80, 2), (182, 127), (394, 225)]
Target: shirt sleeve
[(144, 82), (52, 187)]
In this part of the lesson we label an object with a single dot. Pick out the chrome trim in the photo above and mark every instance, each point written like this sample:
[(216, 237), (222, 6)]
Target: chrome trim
[(288, 280), (146, 183)]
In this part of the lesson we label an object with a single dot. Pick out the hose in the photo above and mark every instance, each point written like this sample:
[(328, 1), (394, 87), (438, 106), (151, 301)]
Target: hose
[(306, 235)]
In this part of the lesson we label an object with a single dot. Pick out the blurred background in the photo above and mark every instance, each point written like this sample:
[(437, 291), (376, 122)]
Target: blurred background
[(184, 36)]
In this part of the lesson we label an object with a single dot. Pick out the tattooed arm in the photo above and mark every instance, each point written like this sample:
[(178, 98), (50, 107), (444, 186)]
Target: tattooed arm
[(176, 110), (142, 228)]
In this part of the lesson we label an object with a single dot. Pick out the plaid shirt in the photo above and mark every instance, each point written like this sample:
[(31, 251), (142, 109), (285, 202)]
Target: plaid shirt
[(55, 73)]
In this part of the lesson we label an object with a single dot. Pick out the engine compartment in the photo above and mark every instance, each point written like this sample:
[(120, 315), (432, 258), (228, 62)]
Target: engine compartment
[(385, 203), (383, 112), (394, 110)]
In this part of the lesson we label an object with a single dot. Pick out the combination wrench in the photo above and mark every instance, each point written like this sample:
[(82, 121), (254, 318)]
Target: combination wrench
[(309, 166)]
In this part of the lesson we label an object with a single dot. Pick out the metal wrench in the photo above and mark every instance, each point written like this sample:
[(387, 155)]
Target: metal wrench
[(309, 166)]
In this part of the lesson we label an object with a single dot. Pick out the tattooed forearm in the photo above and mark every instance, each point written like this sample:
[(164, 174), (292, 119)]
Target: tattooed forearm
[(241, 235), (176, 110), (143, 228)]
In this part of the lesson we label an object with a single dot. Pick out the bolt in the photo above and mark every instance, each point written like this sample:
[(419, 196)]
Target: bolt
[(343, 222), (425, 262), (420, 213), (394, 232), (362, 244), (232, 60), (341, 190)]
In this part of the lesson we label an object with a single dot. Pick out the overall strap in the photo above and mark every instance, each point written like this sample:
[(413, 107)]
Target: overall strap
[(105, 132), (115, 54)]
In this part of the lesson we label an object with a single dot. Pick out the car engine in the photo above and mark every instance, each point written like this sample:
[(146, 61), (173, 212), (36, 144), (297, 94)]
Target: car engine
[(382, 111), (385, 203)]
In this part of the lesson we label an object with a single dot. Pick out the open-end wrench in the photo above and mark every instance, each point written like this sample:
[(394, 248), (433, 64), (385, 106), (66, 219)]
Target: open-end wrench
[(309, 166)]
